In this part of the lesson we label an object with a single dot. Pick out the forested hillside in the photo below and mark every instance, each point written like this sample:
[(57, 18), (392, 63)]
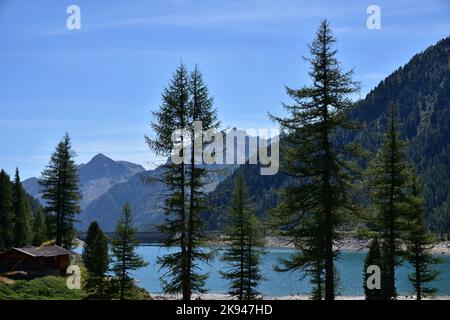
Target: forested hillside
[(421, 90)]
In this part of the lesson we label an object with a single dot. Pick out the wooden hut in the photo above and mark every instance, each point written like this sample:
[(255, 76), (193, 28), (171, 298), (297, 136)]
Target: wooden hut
[(36, 262)]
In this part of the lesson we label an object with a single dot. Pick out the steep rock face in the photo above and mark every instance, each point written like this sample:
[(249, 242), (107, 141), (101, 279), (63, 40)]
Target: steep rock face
[(102, 173)]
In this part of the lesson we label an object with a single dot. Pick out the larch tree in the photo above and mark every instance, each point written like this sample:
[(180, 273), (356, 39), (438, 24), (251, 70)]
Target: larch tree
[(96, 260), (173, 115), (22, 215), (389, 173), (185, 104), (323, 169), (244, 245), (203, 114), (123, 248), (418, 243), (60, 188)]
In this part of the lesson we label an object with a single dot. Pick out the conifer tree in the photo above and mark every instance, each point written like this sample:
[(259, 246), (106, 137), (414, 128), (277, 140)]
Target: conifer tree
[(60, 185), (6, 211), (388, 179), (322, 168), (185, 103), (123, 248), (173, 115), (419, 242), (96, 260), (202, 112), (40, 234), (373, 258), (244, 244), (22, 215)]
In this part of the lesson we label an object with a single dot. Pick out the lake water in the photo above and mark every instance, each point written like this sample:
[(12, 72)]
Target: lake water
[(349, 266)]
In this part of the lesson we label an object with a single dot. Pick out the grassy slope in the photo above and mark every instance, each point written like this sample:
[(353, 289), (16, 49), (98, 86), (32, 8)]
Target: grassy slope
[(46, 288)]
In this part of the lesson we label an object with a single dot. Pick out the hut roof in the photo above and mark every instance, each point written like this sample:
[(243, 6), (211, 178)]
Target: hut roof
[(52, 251)]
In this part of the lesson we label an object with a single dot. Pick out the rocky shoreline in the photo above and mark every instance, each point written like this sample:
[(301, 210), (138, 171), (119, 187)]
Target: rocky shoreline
[(352, 244)]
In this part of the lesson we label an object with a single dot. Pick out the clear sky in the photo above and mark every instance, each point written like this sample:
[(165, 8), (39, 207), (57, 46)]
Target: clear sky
[(100, 83)]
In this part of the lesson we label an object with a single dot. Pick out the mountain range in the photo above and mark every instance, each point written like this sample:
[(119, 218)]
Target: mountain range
[(106, 185)]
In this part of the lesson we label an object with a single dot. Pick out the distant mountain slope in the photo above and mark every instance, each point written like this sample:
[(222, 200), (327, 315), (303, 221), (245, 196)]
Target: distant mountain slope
[(31, 186), (147, 200), (96, 177), (102, 173), (421, 89)]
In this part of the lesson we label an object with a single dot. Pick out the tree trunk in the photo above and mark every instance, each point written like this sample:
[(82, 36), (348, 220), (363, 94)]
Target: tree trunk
[(418, 279), (329, 263), (185, 281), (392, 252), (190, 222)]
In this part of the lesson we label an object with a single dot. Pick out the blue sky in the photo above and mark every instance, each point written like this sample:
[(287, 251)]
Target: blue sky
[(101, 83)]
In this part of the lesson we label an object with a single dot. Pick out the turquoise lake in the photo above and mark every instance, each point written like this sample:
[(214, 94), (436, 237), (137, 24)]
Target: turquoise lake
[(349, 266)]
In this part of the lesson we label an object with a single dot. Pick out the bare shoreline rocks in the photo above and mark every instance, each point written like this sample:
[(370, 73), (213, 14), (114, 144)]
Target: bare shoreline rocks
[(352, 244)]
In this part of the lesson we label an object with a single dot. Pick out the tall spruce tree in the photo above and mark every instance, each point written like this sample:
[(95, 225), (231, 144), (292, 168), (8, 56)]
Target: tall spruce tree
[(123, 248), (323, 170), (373, 258), (22, 215), (244, 244), (96, 260), (389, 174), (60, 186), (418, 243), (185, 103), (6, 212)]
